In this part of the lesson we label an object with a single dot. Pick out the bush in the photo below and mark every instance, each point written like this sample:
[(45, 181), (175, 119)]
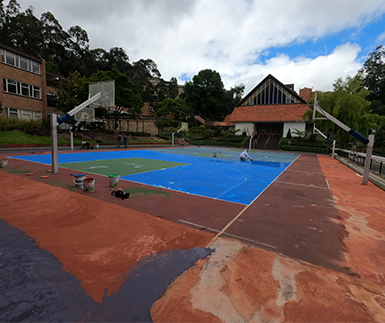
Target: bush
[(231, 139), (216, 143), (18, 124), (323, 143)]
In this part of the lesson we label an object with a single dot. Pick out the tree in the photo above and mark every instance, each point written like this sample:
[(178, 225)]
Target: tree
[(21, 30), (173, 89), (233, 97), (373, 73), (206, 95), (348, 104), (70, 91), (177, 108)]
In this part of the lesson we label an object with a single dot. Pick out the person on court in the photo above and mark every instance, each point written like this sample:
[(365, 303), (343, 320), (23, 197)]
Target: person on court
[(244, 156)]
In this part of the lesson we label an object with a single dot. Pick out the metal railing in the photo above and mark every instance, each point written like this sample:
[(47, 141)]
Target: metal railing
[(267, 141), (256, 141), (377, 163)]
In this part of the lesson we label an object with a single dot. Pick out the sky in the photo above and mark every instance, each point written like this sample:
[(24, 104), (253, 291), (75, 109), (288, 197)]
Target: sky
[(308, 43)]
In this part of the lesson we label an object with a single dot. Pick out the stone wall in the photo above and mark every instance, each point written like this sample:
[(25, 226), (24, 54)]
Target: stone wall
[(147, 126)]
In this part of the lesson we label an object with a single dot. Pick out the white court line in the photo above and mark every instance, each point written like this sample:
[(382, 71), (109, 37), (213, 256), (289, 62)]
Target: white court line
[(327, 183), (229, 234), (313, 186), (303, 171)]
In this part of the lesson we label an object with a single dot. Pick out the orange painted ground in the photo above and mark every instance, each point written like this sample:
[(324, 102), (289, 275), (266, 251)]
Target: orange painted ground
[(242, 284), (97, 242)]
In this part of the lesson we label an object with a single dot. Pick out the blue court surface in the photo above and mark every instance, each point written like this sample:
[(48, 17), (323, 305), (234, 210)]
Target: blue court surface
[(224, 177)]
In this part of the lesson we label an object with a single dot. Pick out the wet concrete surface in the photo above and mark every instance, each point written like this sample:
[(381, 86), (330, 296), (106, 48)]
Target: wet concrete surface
[(34, 287)]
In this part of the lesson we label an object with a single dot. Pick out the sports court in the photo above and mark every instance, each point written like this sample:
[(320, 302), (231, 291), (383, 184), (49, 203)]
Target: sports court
[(189, 170), (110, 250)]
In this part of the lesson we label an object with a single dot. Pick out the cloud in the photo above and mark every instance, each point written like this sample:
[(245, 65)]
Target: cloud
[(319, 73), (229, 36)]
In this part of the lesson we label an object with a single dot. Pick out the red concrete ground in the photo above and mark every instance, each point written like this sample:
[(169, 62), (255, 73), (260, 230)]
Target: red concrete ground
[(321, 259)]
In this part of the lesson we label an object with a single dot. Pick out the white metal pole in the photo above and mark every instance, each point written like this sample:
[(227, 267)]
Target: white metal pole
[(72, 139), (314, 106), (334, 149), (54, 124), (368, 160)]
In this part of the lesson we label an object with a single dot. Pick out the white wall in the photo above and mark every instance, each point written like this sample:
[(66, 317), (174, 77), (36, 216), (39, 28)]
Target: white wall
[(244, 127), (301, 126)]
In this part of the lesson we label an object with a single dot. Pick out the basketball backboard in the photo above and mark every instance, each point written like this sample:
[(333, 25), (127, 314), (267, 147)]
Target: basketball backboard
[(86, 115), (184, 126), (108, 94)]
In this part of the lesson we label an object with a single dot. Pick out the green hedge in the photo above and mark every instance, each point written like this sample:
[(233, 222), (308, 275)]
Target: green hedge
[(306, 142), (18, 124), (318, 150), (215, 143), (137, 134), (235, 139)]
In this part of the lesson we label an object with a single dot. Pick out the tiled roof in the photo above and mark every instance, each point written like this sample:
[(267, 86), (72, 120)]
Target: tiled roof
[(269, 113), (225, 123)]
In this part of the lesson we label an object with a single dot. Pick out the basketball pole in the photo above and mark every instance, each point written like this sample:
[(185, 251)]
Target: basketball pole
[(54, 124), (368, 160), (55, 121)]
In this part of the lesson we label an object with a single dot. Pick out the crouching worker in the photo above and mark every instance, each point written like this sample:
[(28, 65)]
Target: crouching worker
[(244, 156), (85, 145)]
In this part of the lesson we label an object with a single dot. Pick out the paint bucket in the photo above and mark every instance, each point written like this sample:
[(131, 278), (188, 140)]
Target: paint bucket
[(3, 163), (78, 180), (89, 184), (114, 180)]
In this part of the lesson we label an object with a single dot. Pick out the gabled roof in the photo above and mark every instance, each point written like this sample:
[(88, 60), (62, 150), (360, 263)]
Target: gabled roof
[(225, 123), (287, 88), (269, 113)]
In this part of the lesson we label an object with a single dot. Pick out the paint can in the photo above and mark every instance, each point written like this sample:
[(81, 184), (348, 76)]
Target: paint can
[(114, 180), (89, 184), (78, 180), (3, 163)]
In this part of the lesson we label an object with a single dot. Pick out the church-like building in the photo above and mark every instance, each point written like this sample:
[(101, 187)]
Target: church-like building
[(269, 111)]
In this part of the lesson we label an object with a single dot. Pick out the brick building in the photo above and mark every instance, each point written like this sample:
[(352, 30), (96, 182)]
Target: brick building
[(27, 88)]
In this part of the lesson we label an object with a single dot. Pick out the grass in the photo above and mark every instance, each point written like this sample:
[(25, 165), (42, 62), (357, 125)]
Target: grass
[(20, 137)]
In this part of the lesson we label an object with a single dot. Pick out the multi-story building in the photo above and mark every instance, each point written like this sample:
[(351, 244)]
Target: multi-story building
[(27, 88)]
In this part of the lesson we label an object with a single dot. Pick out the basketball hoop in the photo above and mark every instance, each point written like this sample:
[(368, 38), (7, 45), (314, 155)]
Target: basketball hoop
[(86, 115)]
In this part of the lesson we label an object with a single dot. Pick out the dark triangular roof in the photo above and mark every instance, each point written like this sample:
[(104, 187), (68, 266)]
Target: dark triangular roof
[(271, 77)]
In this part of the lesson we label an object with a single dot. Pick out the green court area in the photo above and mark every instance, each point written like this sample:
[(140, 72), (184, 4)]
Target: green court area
[(122, 167)]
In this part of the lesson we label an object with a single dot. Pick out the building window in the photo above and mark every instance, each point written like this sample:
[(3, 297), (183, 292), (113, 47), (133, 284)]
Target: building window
[(11, 113), (23, 114), (20, 62), (24, 89)]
